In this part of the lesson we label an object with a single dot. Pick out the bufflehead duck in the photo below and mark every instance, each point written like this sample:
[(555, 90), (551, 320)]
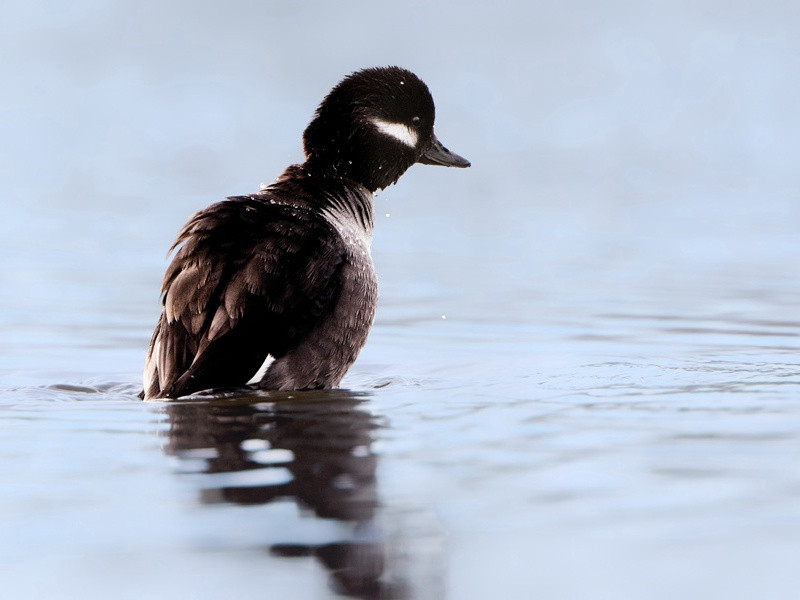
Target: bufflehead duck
[(287, 271)]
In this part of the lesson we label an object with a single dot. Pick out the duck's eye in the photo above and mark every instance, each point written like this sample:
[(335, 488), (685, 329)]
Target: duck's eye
[(415, 120)]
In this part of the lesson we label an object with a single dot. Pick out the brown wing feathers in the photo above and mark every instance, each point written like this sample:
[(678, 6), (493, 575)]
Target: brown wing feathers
[(224, 309)]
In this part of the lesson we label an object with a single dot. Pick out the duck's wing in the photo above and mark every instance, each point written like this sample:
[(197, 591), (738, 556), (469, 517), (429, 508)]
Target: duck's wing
[(249, 279)]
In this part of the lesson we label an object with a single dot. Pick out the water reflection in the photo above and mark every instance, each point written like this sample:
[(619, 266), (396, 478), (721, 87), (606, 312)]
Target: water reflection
[(313, 448)]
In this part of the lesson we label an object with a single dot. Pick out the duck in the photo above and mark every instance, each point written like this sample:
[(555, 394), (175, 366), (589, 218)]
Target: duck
[(286, 272)]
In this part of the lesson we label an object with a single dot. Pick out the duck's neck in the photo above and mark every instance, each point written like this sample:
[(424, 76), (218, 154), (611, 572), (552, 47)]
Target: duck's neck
[(338, 196)]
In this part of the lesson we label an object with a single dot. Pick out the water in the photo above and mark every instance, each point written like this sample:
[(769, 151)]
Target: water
[(583, 378)]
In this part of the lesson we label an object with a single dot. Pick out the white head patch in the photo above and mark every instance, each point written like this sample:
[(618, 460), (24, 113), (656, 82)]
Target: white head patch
[(399, 131)]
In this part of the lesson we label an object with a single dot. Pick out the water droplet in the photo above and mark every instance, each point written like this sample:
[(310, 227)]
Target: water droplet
[(388, 215), (444, 317)]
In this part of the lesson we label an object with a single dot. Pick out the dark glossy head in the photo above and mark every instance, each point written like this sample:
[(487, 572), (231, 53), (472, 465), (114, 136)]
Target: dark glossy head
[(373, 126)]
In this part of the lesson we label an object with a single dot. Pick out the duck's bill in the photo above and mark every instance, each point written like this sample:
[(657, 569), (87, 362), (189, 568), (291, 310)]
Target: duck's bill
[(439, 155)]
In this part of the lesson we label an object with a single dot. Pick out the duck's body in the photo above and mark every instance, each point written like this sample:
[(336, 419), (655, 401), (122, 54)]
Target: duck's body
[(287, 272)]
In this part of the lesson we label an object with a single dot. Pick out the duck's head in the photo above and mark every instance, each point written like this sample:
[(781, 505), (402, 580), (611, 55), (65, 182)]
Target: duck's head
[(373, 126)]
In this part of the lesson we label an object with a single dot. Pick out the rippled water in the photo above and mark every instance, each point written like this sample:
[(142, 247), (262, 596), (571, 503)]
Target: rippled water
[(583, 381)]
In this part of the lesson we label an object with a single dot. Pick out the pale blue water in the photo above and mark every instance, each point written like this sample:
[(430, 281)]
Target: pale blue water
[(584, 378)]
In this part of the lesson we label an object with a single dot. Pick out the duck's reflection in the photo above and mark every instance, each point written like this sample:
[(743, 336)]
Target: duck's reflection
[(314, 448)]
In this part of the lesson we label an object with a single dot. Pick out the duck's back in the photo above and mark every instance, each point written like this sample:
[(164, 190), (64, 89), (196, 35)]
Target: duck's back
[(285, 272)]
